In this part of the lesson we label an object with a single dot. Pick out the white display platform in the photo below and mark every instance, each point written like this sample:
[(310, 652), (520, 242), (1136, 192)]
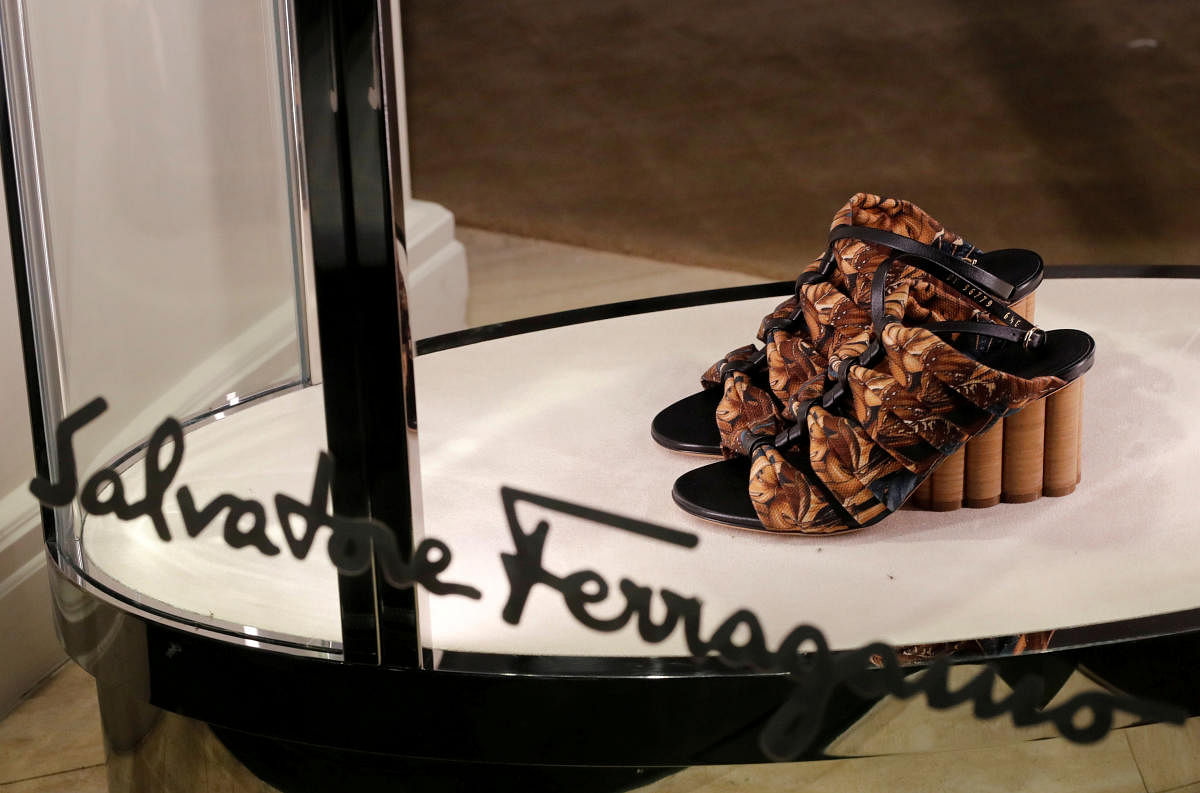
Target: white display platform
[(565, 413)]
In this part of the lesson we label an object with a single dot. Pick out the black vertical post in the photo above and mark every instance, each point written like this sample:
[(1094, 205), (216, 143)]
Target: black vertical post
[(366, 350), (25, 298)]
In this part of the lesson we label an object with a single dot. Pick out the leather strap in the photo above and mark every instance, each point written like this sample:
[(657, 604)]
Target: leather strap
[(1024, 329), (946, 267), (822, 273), (786, 324), (797, 431), (1032, 338), (752, 363), (878, 293)]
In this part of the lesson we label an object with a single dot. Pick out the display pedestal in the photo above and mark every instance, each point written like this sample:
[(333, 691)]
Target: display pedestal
[(250, 644)]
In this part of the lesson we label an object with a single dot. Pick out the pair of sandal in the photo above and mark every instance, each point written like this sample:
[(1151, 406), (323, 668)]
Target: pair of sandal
[(898, 346)]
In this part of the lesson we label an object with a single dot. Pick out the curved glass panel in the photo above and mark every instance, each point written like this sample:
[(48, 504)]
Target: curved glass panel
[(162, 204), (165, 174)]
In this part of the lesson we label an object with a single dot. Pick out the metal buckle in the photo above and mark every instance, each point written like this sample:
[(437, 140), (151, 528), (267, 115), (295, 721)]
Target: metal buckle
[(1029, 336)]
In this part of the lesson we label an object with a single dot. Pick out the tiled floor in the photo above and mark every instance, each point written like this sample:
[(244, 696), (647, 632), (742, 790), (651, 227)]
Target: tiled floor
[(52, 743)]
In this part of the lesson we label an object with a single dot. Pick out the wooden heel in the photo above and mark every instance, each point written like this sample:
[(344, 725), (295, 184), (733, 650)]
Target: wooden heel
[(1061, 468), (1033, 452), (974, 480), (1079, 436), (920, 499), (1026, 306), (1021, 469), (1024, 434), (985, 463), (946, 492)]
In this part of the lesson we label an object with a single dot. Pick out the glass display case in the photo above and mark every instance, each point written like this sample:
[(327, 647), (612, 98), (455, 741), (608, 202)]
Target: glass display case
[(164, 254), (297, 547), (171, 235)]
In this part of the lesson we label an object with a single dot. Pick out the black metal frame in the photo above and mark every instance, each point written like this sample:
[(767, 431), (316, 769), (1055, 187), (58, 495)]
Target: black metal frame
[(357, 233), (17, 242)]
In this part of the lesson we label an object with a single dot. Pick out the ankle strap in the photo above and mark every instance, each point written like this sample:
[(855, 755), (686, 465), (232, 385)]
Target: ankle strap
[(946, 267), (1031, 339), (1019, 328)]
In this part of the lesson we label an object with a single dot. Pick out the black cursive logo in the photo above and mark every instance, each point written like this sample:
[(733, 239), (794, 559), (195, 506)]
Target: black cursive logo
[(803, 654), (351, 542)]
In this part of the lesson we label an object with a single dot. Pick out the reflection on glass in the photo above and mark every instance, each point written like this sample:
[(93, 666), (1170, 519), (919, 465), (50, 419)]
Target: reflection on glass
[(162, 142), (162, 136)]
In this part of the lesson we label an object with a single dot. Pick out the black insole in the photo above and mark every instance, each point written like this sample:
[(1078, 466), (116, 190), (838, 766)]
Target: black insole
[(689, 425), (718, 491), (1019, 267)]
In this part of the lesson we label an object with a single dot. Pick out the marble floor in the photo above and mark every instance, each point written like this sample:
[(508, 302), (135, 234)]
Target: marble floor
[(51, 743)]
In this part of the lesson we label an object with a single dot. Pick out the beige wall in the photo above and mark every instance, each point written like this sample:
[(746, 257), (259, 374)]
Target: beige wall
[(165, 174), (162, 142), (24, 590)]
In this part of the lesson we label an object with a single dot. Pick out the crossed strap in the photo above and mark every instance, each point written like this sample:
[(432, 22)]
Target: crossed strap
[(812, 340), (953, 269)]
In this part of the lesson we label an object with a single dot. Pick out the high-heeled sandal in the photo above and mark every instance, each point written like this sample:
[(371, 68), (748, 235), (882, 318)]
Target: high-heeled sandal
[(865, 232), (889, 417)]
